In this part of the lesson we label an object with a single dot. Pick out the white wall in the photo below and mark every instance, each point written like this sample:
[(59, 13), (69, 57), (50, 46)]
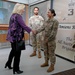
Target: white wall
[(21, 1)]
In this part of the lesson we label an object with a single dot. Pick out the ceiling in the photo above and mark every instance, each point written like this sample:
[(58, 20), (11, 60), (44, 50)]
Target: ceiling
[(25, 1)]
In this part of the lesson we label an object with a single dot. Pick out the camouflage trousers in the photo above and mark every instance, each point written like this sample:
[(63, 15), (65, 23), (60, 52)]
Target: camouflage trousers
[(36, 42), (50, 51)]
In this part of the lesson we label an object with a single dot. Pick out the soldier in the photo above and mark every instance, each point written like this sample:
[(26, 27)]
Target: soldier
[(35, 22), (50, 27)]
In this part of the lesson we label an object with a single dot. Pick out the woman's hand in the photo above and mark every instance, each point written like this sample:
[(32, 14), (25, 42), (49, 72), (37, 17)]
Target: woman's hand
[(34, 32)]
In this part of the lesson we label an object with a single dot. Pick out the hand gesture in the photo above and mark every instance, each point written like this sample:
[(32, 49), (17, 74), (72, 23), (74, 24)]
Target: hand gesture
[(34, 32)]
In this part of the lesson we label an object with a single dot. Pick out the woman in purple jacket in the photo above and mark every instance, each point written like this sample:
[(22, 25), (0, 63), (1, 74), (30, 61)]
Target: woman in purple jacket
[(16, 33)]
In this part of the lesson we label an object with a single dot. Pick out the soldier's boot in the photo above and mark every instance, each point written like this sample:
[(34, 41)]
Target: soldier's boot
[(45, 64), (51, 68), (39, 54), (33, 54)]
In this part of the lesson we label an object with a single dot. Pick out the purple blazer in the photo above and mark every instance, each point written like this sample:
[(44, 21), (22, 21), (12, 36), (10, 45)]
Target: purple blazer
[(16, 28)]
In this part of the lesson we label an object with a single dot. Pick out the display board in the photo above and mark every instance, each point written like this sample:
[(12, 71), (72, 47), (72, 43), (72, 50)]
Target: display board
[(65, 39), (65, 10)]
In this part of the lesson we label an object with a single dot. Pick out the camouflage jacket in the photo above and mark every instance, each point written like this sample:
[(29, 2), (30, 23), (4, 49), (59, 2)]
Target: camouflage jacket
[(36, 22), (50, 27)]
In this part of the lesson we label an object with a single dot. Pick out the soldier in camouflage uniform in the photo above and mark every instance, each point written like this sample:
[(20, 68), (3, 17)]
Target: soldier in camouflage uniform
[(35, 22), (50, 27)]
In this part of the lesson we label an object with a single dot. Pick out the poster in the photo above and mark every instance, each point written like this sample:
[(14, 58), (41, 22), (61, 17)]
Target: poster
[(65, 10), (65, 39)]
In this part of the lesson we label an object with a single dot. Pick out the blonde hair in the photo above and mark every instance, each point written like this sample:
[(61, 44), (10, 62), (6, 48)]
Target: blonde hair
[(18, 8)]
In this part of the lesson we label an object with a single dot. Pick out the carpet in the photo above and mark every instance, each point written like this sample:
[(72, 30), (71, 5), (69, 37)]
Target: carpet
[(67, 72)]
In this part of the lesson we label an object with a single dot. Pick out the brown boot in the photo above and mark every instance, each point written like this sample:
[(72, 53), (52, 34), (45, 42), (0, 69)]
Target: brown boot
[(33, 54), (51, 68), (45, 64), (39, 54)]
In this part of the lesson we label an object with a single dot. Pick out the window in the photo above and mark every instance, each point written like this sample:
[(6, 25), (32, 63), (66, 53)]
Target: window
[(5, 11)]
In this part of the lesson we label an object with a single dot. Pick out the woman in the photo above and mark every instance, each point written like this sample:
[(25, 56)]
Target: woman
[(16, 33), (50, 28)]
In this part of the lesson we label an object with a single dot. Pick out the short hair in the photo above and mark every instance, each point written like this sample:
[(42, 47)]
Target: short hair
[(52, 11), (17, 8), (36, 7)]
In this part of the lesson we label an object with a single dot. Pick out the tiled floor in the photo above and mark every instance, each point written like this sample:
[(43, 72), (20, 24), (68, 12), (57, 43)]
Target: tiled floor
[(31, 65)]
